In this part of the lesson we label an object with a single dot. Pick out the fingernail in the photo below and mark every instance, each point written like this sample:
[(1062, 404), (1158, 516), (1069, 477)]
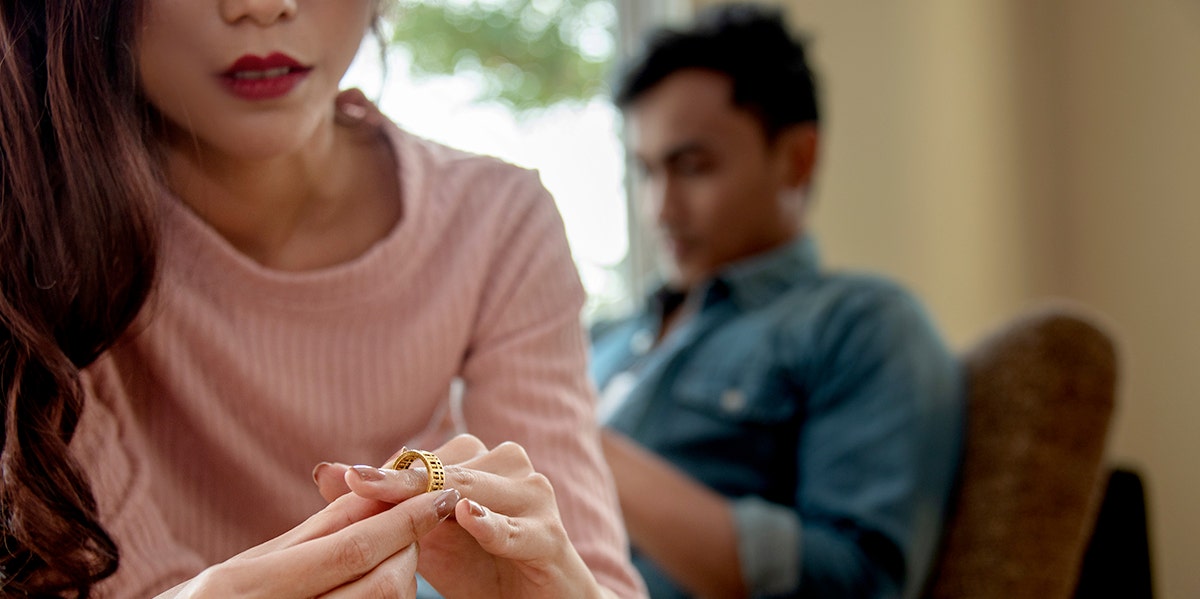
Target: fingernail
[(476, 509), (317, 469), (445, 503), (354, 111), (368, 473)]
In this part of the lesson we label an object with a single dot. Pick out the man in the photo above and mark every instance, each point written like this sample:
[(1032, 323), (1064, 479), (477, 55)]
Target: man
[(775, 430)]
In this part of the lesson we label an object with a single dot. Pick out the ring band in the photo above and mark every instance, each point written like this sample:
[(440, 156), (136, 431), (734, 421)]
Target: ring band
[(433, 465)]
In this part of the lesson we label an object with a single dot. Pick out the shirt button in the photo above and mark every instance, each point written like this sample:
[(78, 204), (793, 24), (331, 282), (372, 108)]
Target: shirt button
[(641, 342), (733, 400)]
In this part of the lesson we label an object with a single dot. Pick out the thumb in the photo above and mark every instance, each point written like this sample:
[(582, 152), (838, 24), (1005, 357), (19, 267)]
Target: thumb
[(330, 479), (415, 517)]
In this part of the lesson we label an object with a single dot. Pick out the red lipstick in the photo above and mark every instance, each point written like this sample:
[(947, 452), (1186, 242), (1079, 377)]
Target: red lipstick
[(264, 78)]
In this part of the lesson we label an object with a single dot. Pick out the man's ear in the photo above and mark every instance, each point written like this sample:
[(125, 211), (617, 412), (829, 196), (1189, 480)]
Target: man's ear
[(799, 145)]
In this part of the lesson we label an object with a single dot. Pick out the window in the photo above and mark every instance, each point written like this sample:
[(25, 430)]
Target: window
[(526, 81)]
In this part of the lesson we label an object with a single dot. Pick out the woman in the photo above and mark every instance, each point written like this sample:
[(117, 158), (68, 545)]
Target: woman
[(320, 279)]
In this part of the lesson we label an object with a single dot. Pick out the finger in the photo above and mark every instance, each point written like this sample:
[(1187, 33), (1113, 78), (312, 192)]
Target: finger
[(521, 496), (506, 537), (507, 459), (331, 480), (392, 458), (531, 552), (504, 483), (387, 484), (394, 577), (384, 484), (339, 514), (490, 477), (353, 108), (325, 563), (460, 449)]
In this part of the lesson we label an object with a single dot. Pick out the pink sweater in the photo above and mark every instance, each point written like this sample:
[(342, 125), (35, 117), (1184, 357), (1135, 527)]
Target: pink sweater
[(201, 431)]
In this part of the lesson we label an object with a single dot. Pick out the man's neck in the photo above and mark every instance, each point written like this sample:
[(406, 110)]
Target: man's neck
[(673, 309)]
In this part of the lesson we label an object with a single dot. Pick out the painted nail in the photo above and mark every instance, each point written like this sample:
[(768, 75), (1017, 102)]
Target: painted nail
[(445, 502), (354, 111), (319, 467), (368, 473), (476, 509)]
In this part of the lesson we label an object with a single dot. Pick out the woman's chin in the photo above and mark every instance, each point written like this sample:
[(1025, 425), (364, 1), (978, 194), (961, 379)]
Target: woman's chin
[(251, 146)]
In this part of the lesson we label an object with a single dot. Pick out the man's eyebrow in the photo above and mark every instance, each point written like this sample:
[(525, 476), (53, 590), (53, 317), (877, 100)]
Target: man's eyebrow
[(679, 151), (671, 155)]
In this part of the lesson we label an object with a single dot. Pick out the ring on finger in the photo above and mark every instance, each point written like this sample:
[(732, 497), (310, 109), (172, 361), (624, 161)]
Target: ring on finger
[(433, 466)]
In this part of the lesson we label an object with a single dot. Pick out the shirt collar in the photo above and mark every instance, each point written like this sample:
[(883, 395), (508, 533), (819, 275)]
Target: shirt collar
[(754, 281), (758, 280)]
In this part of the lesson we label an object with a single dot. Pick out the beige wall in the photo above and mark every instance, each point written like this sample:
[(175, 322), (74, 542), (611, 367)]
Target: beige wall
[(1132, 192), (992, 153)]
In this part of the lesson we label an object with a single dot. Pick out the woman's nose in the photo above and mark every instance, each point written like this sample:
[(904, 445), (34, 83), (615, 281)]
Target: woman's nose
[(260, 12)]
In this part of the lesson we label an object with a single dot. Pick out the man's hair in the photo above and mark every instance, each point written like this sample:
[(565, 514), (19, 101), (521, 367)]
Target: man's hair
[(748, 43)]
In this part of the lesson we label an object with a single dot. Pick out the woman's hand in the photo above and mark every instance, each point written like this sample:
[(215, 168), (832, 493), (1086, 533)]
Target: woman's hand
[(506, 538), (355, 547)]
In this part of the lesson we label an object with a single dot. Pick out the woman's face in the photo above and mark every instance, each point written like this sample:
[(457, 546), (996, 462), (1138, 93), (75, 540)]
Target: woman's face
[(251, 79)]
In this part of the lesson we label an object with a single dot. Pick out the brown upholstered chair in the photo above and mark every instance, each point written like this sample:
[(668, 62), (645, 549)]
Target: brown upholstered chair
[(1041, 394)]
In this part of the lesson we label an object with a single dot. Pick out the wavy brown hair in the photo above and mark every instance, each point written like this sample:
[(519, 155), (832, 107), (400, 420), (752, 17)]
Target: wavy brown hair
[(77, 253)]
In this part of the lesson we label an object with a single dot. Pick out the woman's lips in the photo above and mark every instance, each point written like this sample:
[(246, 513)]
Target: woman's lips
[(264, 78)]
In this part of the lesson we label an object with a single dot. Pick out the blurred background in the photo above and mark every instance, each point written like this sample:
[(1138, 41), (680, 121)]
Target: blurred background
[(990, 154)]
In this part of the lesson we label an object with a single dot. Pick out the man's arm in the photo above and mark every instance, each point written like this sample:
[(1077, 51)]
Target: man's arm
[(682, 525), (877, 360), (878, 369)]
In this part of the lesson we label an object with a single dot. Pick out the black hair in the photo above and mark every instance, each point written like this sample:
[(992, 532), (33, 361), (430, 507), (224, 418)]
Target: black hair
[(751, 45)]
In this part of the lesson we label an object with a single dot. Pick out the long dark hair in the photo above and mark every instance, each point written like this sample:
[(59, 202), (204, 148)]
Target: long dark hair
[(78, 245)]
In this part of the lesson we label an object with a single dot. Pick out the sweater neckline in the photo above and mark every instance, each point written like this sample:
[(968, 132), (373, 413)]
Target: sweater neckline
[(199, 254)]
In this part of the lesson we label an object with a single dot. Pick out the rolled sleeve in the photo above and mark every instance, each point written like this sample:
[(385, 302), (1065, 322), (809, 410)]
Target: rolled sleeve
[(769, 551)]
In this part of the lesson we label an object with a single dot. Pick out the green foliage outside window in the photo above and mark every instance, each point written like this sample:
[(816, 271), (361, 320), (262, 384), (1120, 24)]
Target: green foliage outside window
[(528, 54)]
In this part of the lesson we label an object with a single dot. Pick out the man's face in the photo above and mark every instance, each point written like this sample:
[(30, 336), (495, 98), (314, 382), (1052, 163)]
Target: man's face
[(715, 188)]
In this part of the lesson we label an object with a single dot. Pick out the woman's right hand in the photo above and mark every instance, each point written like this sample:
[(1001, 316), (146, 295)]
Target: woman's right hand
[(355, 547), (507, 539)]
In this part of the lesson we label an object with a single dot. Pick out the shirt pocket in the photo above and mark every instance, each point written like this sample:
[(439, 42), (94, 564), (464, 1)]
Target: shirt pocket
[(736, 385)]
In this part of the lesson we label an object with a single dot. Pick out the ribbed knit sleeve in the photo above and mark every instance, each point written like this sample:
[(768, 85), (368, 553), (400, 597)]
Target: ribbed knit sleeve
[(525, 376), (151, 561)]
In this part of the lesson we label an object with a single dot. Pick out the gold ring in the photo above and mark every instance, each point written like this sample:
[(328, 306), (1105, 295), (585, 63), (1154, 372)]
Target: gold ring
[(433, 465)]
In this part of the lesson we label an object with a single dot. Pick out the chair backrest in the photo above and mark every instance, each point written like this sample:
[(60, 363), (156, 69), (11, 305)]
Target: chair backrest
[(1040, 396)]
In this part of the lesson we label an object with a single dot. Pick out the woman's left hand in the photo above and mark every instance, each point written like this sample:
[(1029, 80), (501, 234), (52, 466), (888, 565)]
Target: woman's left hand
[(505, 539)]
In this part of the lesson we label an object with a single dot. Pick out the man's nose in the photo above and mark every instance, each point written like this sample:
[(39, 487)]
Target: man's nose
[(658, 200), (671, 207)]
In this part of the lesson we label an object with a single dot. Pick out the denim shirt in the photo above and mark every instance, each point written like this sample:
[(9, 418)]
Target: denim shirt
[(824, 406)]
